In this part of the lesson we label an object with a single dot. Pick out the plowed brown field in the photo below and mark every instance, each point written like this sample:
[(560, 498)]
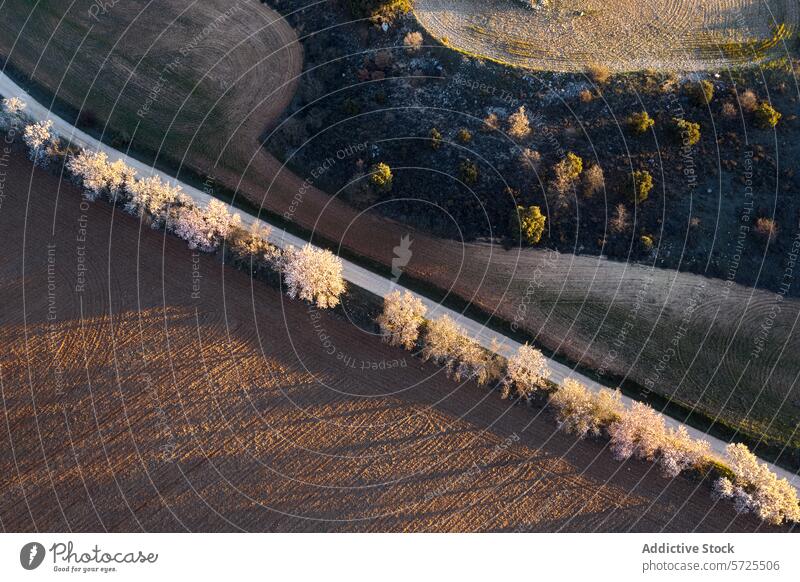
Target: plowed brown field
[(160, 390)]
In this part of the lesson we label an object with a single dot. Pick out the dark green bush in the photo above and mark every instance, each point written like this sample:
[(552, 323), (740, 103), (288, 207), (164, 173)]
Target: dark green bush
[(641, 122), (766, 115), (702, 92), (687, 131), (468, 171), (436, 138), (643, 184)]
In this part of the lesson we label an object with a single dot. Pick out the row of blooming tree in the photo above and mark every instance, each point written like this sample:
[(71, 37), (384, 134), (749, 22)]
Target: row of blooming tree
[(312, 274), (637, 431)]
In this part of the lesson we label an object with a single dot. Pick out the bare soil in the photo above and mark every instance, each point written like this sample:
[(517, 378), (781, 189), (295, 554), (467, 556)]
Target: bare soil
[(162, 391)]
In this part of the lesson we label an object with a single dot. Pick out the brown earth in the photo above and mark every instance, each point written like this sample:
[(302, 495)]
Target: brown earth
[(172, 393)]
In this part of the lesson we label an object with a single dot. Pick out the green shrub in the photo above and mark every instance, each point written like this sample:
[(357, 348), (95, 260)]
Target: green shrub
[(641, 122), (464, 135), (528, 223), (569, 168), (716, 469), (703, 92), (351, 107), (381, 176), (573, 166), (469, 172), (766, 115), (436, 138), (643, 184), (687, 131), (566, 172)]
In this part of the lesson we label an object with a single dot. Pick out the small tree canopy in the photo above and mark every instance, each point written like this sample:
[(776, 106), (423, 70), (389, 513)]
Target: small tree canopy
[(766, 115), (687, 131), (518, 124), (641, 122), (381, 176), (643, 184), (566, 172), (528, 223)]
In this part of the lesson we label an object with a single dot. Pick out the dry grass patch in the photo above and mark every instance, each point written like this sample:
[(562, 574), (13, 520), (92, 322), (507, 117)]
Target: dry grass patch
[(602, 37)]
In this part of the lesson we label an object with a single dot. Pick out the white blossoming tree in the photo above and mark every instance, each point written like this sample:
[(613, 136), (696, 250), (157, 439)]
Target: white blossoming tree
[(13, 112), (443, 339), (754, 488), (39, 137), (313, 275), (527, 371), (473, 362), (98, 176), (89, 168), (582, 412), (118, 176), (641, 432), (401, 319), (205, 229), (638, 433), (679, 452), (155, 199), (448, 344)]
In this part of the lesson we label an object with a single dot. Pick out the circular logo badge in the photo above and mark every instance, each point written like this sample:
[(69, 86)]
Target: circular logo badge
[(31, 555)]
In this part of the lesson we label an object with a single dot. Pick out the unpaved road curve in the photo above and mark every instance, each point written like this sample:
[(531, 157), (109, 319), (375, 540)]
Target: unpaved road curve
[(353, 273)]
